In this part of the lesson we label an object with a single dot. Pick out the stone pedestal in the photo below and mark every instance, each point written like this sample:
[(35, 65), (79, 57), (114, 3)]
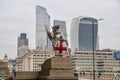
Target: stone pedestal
[(57, 68), (26, 75)]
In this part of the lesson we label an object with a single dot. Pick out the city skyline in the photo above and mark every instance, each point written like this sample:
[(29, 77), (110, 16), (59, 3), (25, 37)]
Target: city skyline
[(19, 16)]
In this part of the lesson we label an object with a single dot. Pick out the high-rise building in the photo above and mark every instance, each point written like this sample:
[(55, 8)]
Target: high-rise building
[(22, 40), (22, 45), (42, 20), (22, 50), (84, 33), (62, 28)]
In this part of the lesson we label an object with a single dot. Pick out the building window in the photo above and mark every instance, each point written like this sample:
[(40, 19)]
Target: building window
[(48, 55), (44, 55)]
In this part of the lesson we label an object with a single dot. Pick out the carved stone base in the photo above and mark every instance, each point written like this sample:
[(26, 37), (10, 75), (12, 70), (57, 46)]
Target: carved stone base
[(57, 68)]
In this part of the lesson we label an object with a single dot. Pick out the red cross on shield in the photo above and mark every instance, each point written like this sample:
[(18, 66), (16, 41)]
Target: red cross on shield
[(60, 48)]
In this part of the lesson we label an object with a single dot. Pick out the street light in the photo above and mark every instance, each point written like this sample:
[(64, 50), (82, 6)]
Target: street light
[(93, 22)]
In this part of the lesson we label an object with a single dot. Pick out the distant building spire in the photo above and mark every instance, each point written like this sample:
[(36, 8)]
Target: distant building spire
[(5, 58)]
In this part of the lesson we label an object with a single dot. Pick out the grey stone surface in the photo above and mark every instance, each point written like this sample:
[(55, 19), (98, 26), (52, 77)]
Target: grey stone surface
[(57, 62), (26, 75), (57, 68)]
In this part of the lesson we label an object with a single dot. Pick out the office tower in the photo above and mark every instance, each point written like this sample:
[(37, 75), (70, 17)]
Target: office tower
[(22, 40), (42, 20), (22, 45), (84, 33), (62, 28)]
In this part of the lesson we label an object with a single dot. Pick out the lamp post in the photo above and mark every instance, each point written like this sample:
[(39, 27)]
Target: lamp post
[(93, 50), (93, 47)]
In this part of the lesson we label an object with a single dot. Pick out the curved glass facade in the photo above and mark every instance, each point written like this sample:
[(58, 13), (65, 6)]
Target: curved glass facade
[(84, 31)]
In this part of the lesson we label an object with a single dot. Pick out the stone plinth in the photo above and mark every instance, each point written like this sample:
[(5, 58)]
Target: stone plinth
[(26, 75), (57, 68)]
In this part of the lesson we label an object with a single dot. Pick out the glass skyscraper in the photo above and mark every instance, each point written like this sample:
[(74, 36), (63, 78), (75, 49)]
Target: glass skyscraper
[(42, 20), (62, 25), (84, 31)]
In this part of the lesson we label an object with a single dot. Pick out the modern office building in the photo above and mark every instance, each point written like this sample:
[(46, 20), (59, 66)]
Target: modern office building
[(106, 66), (21, 51), (42, 20), (22, 40), (22, 47), (62, 28), (84, 33)]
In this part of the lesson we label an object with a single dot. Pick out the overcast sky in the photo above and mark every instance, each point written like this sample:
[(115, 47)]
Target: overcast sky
[(17, 16)]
